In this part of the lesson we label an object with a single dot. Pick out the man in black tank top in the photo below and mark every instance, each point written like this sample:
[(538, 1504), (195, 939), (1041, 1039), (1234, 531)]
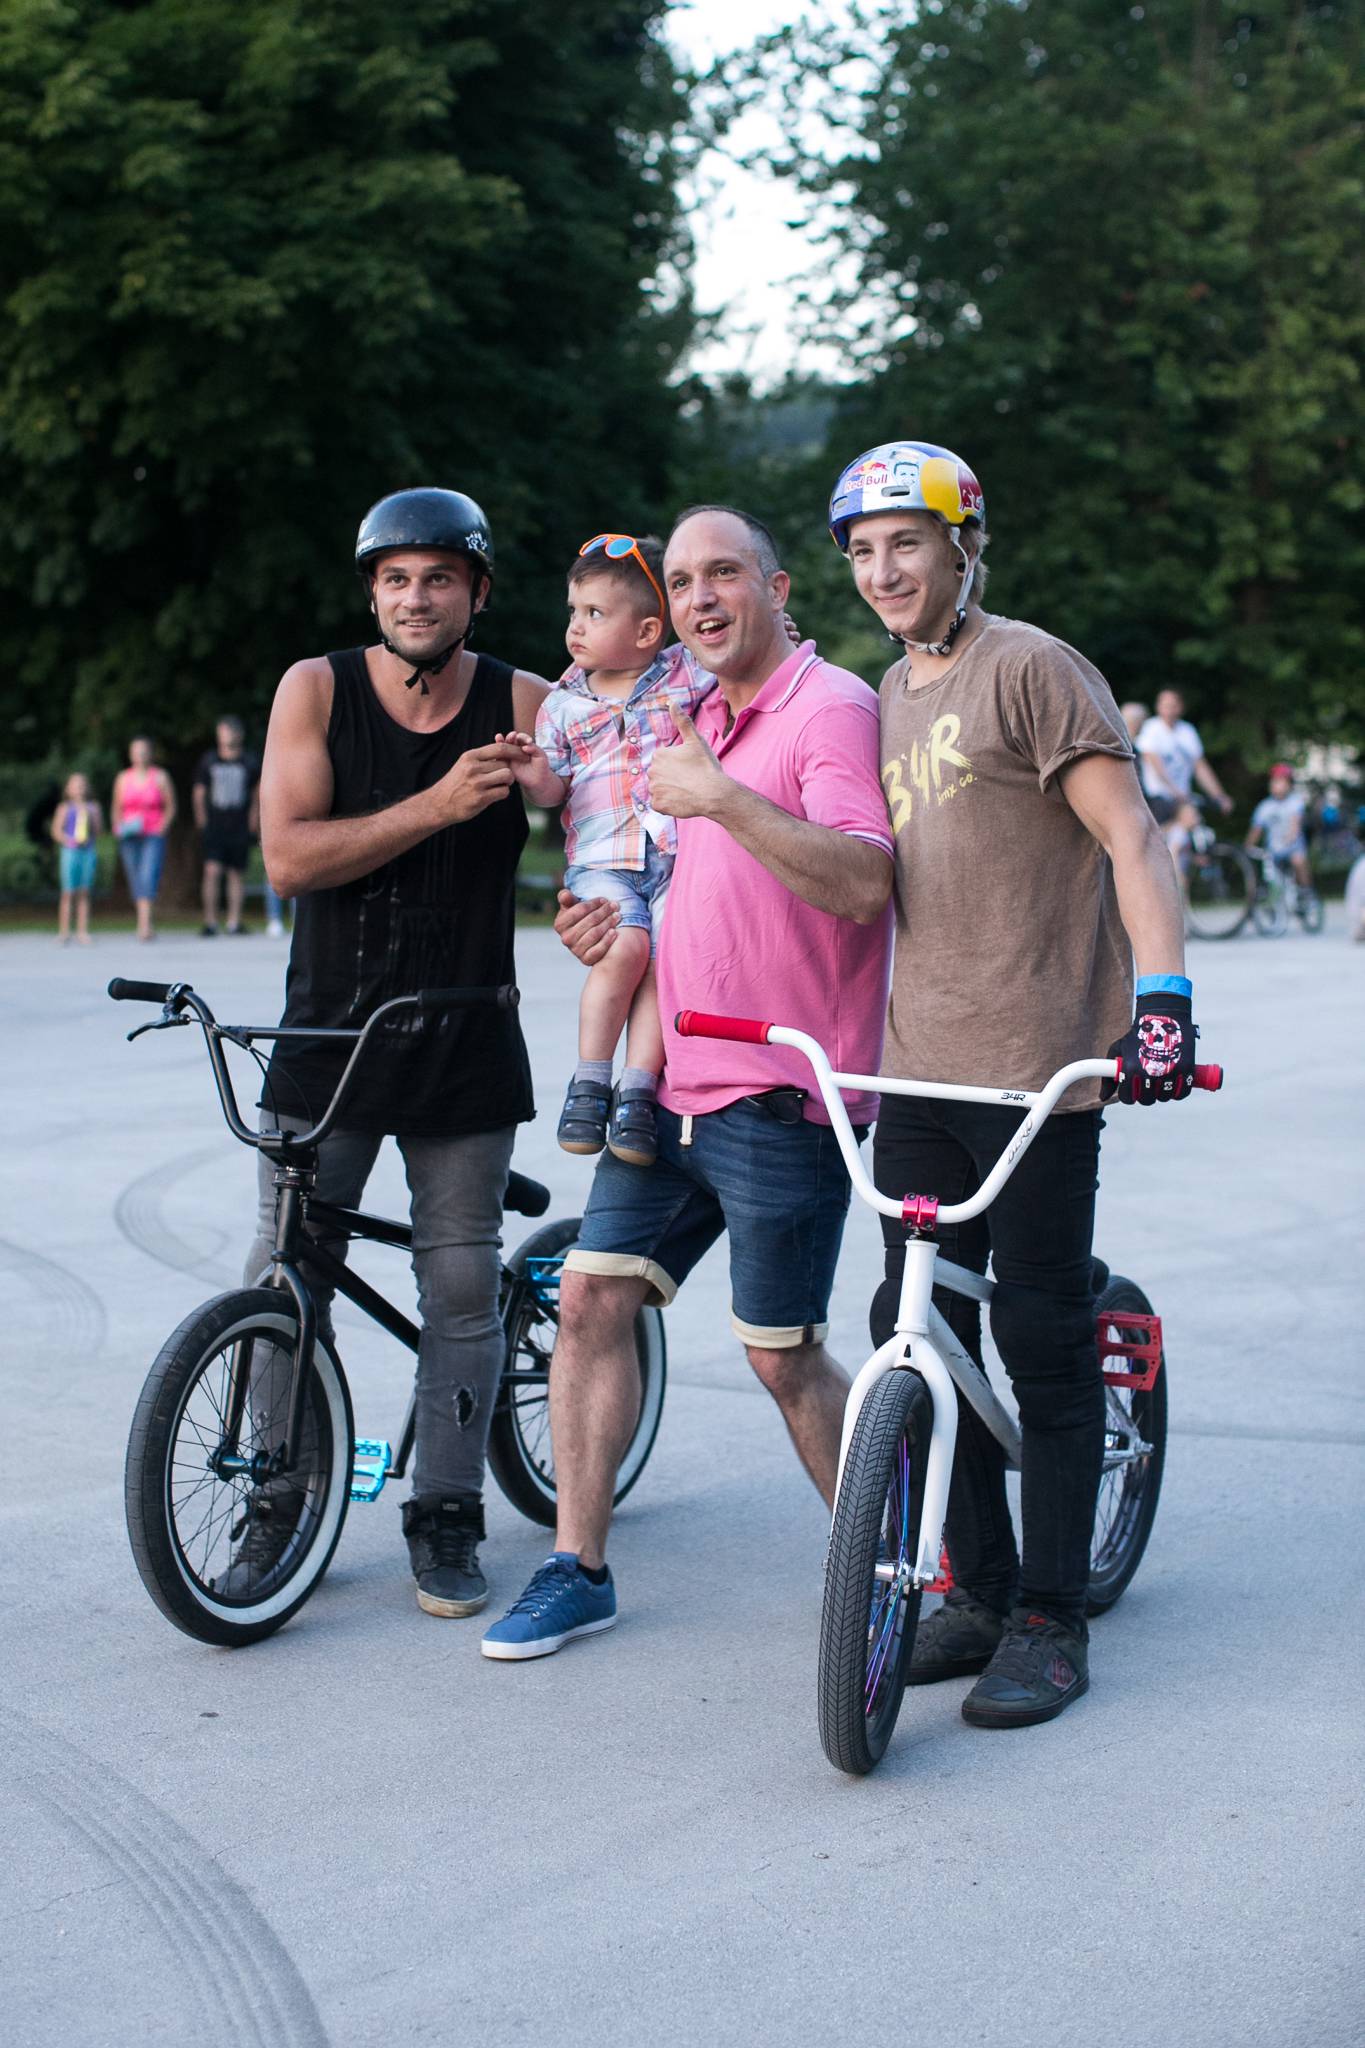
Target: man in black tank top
[(389, 810)]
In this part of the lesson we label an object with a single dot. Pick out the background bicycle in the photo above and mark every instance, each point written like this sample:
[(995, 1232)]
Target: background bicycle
[(1280, 897), (243, 1458)]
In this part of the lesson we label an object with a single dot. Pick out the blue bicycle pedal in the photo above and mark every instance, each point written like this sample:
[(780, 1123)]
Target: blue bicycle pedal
[(370, 1467)]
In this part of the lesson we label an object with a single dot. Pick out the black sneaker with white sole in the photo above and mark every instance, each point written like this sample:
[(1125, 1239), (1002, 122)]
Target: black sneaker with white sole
[(261, 1535), (1039, 1669), (443, 1534)]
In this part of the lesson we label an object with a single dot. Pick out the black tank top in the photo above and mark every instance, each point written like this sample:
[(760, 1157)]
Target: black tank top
[(439, 916)]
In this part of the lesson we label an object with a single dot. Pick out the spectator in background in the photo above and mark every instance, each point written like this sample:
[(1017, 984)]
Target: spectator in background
[(1134, 716), (1172, 760), (76, 824), (142, 813), (226, 810), (1279, 820)]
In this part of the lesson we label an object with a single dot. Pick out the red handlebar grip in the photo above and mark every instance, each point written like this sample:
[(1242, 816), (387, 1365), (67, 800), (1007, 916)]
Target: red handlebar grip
[(698, 1024), (1208, 1077)]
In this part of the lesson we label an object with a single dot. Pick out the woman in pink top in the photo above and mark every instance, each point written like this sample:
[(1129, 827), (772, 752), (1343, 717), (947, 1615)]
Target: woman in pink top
[(142, 813)]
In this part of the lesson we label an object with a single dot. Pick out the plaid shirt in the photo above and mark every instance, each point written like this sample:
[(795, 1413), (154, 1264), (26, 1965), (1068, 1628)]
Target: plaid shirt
[(602, 747)]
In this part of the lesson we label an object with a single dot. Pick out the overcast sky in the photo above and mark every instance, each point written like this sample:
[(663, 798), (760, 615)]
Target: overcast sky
[(746, 254)]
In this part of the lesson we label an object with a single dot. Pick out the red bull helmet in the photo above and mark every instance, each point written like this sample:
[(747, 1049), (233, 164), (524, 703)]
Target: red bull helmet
[(905, 476), (913, 476)]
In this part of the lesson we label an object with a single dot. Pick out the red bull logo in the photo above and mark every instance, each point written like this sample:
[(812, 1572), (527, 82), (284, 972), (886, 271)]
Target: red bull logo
[(870, 477), (970, 492)]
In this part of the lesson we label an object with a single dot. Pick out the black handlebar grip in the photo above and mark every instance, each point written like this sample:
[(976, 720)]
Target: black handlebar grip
[(505, 998), (138, 991)]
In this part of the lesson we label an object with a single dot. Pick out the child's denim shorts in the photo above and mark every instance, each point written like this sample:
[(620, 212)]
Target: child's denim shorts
[(641, 892)]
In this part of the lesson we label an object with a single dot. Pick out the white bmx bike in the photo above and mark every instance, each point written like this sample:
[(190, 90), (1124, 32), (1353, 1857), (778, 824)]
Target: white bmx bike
[(900, 1423)]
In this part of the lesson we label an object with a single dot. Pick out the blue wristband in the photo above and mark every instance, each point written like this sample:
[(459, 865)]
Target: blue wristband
[(1165, 985)]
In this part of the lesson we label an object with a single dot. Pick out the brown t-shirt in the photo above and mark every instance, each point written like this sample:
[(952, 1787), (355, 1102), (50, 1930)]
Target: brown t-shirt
[(1011, 958)]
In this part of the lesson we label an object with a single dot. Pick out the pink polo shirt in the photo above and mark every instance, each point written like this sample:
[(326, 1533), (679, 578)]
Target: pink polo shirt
[(736, 941)]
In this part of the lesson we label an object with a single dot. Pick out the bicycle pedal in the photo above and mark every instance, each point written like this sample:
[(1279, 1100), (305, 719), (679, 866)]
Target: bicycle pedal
[(543, 1275), (1138, 1341), (943, 1581), (370, 1467)]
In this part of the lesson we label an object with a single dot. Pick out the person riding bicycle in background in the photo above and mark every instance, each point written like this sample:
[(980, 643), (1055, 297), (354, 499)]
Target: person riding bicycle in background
[(1279, 820), (593, 745), (389, 809), (1172, 760), (1029, 874), (778, 905)]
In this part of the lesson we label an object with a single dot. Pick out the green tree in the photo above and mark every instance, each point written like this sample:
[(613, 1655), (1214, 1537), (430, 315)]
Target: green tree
[(263, 262), (1112, 255)]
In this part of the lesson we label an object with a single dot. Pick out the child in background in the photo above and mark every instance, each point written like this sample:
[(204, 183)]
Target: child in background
[(1280, 817), (594, 740), (76, 824)]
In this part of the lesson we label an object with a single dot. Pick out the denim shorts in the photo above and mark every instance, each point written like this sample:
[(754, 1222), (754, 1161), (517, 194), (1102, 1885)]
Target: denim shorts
[(77, 864), (641, 892), (779, 1190)]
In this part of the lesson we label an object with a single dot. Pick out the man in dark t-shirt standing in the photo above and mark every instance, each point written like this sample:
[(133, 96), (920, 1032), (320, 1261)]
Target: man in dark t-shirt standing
[(389, 810), (1030, 882), (226, 810)]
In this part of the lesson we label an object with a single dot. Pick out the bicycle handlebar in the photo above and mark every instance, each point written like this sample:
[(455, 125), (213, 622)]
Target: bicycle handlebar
[(178, 997), (1036, 1104)]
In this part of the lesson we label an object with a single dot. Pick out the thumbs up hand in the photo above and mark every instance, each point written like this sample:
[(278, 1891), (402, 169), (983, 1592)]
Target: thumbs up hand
[(685, 779)]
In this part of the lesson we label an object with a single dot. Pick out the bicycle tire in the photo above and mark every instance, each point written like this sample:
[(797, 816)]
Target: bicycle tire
[(520, 1454), (185, 1522), (867, 1625), (1130, 1486), (1270, 912), (1220, 887), (1310, 910)]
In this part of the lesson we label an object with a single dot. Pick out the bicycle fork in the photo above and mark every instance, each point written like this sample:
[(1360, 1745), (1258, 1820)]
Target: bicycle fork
[(910, 1349), (227, 1460)]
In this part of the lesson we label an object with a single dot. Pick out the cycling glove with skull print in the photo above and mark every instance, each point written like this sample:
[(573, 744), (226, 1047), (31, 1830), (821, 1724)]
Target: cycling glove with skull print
[(1157, 1051)]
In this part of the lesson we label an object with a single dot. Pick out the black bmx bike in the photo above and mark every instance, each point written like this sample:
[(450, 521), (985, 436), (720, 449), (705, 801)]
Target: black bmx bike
[(245, 1417)]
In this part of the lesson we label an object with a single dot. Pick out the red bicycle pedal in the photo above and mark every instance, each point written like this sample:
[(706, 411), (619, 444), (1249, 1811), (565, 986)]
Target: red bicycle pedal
[(1138, 1340)]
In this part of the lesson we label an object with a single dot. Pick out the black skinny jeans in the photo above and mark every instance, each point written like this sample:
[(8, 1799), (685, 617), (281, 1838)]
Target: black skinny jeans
[(1038, 1235)]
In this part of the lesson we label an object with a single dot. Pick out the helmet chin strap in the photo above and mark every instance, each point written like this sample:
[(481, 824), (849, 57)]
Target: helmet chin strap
[(944, 646), (434, 663)]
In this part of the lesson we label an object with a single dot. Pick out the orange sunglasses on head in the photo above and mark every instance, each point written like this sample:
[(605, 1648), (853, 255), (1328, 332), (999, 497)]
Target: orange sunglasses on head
[(619, 547)]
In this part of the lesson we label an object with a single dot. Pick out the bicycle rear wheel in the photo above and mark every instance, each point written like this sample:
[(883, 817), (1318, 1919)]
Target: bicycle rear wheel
[(1310, 910), (1134, 1458), (1220, 884), (520, 1452), (871, 1607), (229, 1557)]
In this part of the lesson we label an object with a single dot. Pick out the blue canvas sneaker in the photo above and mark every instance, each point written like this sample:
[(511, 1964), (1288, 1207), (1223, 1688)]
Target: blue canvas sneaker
[(560, 1602)]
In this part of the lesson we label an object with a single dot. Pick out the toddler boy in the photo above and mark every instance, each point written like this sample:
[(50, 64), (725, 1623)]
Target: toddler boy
[(594, 740)]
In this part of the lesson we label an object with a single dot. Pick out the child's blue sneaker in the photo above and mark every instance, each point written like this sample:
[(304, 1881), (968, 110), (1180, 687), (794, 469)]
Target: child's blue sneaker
[(560, 1602)]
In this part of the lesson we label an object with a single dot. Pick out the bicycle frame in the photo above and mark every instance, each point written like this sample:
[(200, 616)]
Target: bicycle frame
[(922, 1341)]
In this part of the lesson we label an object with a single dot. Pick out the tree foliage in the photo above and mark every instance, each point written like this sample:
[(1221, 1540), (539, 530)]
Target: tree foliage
[(265, 261), (1113, 256)]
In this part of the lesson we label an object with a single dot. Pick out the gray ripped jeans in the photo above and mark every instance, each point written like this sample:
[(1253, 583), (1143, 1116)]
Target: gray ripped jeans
[(457, 1187)]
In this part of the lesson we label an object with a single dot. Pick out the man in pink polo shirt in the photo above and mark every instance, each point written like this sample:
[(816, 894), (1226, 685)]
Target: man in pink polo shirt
[(779, 908)]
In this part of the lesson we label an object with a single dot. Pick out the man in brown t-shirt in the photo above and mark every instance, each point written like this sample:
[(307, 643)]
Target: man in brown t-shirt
[(1029, 879)]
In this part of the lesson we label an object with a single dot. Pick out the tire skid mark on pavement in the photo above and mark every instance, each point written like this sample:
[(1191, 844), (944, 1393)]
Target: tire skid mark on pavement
[(72, 1317), (247, 1985), (138, 1212)]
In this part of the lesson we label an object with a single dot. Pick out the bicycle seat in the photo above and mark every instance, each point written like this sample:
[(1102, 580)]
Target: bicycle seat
[(525, 1197)]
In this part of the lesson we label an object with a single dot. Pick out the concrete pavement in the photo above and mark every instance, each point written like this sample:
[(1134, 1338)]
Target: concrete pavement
[(361, 1832)]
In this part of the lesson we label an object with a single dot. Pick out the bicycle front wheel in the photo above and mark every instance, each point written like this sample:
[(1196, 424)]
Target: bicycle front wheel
[(229, 1555), (872, 1605), (1270, 912), (1134, 1457), (1220, 884), (520, 1451)]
